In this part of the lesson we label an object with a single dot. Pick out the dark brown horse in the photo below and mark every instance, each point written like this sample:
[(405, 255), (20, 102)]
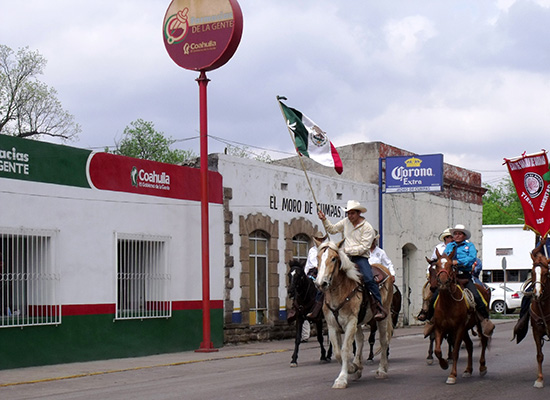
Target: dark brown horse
[(454, 316), (302, 291), (540, 306), (395, 310)]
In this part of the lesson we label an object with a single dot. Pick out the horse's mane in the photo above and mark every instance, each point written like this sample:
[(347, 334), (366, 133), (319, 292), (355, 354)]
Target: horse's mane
[(347, 265)]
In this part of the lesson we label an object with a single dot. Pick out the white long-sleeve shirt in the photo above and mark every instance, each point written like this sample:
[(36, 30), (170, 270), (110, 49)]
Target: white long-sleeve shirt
[(379, 256), (357, 239)]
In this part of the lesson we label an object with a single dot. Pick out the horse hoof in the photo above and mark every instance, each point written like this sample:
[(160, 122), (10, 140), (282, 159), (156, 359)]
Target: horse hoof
[(450, 381), (483, 372), (429, 361), (293, 365), (339, 385), (381, 375), (467, 375), (370, 361), (539, 384), (443, 364)]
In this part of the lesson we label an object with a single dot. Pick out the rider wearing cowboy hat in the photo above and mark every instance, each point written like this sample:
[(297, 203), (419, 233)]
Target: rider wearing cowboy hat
[(358, 237), (464, 259)]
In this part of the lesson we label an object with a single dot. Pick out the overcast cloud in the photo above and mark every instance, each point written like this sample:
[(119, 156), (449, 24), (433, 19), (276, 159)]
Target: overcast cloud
[(466, 78)]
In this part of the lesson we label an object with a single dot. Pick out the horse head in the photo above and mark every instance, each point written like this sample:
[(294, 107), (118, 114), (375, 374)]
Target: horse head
[(332, 260), (539, 273), (445, 273), (296, 277)]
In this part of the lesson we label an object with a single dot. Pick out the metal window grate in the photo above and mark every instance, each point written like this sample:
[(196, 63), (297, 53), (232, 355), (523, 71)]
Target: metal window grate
[(142, 277), (28, 280)]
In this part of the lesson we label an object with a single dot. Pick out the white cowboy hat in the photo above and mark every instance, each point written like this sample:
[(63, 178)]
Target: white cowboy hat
[(354, 205), (461, 228), (444, 234)]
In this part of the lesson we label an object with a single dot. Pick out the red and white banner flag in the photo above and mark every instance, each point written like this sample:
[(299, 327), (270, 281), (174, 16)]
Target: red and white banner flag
[(533, 191)]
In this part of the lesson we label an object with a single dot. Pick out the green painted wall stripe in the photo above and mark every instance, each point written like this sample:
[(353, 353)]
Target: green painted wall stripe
[(99, 337), (31, 160)]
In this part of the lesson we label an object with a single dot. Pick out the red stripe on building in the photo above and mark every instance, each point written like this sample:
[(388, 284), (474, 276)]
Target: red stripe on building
[(95, 309)]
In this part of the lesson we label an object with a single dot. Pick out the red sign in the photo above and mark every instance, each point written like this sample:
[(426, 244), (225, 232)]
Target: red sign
[(527, 174), (202, 35), (132, 175)]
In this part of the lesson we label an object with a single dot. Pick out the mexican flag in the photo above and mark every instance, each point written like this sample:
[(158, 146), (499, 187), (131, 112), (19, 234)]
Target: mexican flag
[(310, 140)]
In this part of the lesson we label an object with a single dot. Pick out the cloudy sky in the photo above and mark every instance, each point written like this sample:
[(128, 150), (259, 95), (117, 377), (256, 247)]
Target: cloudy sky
[(466, 78)]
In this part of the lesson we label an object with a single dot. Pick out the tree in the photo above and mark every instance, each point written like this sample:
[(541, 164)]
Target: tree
[(244, 152), (141, 140), (501, 205), (28, 107)]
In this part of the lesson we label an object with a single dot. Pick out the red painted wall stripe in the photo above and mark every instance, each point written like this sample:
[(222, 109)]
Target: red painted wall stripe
[(94, 309)]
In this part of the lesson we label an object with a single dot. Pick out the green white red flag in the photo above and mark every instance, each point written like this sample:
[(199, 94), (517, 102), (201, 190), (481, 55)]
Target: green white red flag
[(528, 173), (310, 140)]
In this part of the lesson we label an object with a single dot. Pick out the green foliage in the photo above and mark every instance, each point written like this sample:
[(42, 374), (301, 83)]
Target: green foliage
[(141, 140), (28, 107), (244, 152), (501, 205)]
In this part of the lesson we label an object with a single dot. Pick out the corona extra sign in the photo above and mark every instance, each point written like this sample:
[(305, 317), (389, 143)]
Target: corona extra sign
[(414, 174)]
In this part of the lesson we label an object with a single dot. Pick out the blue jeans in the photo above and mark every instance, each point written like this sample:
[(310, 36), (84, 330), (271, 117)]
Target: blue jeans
[(366, 270)]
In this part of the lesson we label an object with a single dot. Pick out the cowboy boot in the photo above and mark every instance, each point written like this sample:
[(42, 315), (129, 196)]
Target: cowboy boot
[(379, 312), (487, 327), (314, 314), (428, 328), (521, 328)]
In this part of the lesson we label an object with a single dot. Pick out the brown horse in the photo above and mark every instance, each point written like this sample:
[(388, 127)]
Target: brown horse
[(345, 312), (454, 316), (540, 306)]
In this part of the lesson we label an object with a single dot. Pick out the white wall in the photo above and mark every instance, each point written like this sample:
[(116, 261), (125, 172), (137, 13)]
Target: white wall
[(507, 236), (86, 221)]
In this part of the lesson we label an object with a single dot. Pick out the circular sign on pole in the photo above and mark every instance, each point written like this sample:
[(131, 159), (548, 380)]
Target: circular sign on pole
[(202, 35)]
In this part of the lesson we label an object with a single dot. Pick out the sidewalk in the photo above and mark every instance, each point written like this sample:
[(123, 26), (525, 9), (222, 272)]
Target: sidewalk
[(46, 373)]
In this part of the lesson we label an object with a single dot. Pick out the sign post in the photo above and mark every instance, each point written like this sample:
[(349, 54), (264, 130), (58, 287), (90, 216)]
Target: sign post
[(504, 270), (202, 35)]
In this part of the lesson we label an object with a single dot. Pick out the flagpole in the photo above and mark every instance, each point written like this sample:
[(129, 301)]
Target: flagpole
[(297, 152)]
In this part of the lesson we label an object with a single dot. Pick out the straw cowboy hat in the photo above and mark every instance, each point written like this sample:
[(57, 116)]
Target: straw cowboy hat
[(461, 228), (354, 205), (444, 234), (320, 236)]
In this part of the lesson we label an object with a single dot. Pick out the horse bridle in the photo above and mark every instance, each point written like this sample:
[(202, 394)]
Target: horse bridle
[(451, 279)]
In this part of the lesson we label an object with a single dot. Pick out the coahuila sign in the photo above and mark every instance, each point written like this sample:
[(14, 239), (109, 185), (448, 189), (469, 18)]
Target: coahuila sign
[(142, 178), (414, 174)]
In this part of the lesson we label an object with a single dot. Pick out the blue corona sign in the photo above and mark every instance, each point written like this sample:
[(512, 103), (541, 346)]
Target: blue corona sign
[(414, 173)]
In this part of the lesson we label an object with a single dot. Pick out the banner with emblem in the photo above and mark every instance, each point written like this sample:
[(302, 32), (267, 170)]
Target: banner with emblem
[(528, 173)]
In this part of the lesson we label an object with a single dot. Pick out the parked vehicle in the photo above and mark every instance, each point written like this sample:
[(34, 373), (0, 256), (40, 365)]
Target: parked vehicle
[(498, 304)]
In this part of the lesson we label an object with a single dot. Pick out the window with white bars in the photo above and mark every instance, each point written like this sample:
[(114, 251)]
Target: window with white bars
[(143, 279), (258, 277), (301, 246), (28, 278)]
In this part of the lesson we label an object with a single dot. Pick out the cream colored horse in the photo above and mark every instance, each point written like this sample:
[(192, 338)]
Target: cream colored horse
[(340, 281)]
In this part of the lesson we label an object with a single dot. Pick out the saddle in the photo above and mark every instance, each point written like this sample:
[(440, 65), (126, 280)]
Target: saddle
[(380, 275)]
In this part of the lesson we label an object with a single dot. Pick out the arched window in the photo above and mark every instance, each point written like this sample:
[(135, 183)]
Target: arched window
[(300, 247), (258, 245)]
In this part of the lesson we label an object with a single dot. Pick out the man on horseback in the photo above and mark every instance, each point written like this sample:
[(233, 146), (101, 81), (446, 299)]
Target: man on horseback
[(465, 254), (358, 237), (311, 271)]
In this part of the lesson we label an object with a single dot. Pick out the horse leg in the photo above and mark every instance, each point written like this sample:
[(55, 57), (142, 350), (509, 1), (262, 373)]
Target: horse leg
[(451, 379), (372, 338), (469, 348), (319, 329), (444, 364), (356, 367), (297, 340), (344, 355), (539, 383), (384, 338), (484, 344), (430, 358)]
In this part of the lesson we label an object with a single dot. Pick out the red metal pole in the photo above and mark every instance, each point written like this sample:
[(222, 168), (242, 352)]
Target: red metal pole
[(206, 345)]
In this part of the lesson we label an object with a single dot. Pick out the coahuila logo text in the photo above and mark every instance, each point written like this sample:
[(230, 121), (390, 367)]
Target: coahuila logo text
[(14, 161), (153, 180)]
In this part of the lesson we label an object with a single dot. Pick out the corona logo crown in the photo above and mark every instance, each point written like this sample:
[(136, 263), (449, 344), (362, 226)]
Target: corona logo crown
[(413, 162)]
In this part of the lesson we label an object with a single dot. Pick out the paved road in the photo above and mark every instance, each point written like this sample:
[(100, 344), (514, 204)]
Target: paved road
[(261, 371)]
